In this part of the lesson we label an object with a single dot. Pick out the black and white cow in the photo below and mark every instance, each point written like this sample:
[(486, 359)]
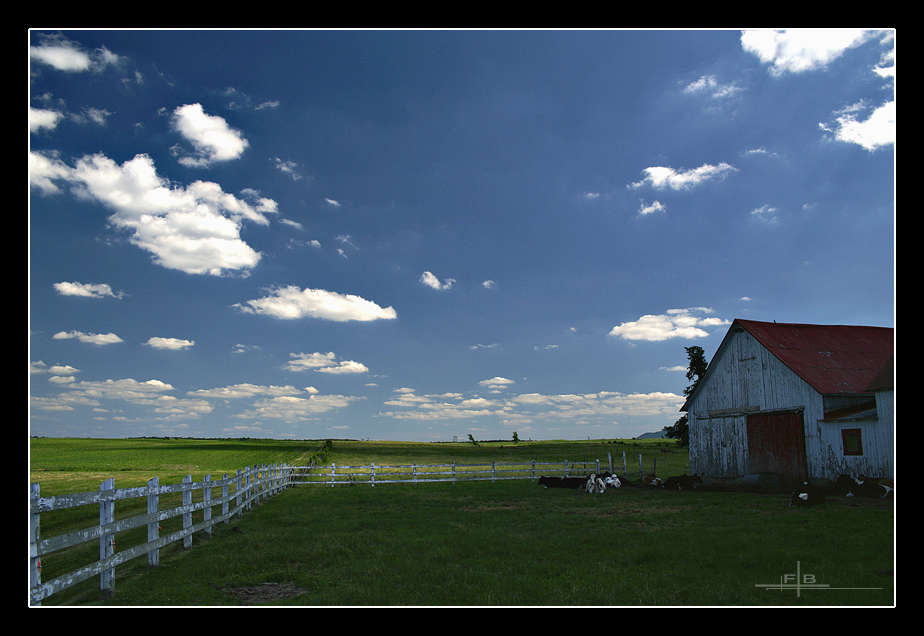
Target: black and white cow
[(807, 494), (595, 484), (683, 482), (862, 488)]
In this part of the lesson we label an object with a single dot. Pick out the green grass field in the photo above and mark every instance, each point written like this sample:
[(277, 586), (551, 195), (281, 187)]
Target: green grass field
[(509, 543)]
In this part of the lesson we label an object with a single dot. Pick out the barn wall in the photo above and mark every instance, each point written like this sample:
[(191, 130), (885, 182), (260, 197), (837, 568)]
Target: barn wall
[(878, 450), (745, 377)]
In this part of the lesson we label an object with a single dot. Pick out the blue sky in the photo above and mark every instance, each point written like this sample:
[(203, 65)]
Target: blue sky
[(415, 235)]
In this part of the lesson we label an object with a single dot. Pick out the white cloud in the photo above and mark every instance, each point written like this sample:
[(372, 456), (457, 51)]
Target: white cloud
[(291, 303), (87, 290), (195, 229), (661, 177), (211, 136), (41, 118), (288, 167), (291, 408), (801, 50), (709, 84), (174, 344), (676, 323), (497, 382), (61, 55), (765, 213), (323, 363), (89, 338), (874, 132), (430, 280), (346, 366), (126, 389), (44, 170), (647, 209), (238, 391)]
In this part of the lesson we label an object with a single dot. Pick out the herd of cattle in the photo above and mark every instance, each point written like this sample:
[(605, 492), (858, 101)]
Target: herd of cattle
[(807, 494), (599, 483)]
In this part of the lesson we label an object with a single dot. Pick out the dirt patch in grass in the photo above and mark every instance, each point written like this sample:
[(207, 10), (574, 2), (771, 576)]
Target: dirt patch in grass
[(264, 593)]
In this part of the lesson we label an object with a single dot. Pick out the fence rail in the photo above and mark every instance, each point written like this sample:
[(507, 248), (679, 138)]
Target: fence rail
[(421, 473), (238, 493), (250, 485)]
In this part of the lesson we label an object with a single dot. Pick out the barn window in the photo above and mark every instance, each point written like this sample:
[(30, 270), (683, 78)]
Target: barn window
[(853, 441)]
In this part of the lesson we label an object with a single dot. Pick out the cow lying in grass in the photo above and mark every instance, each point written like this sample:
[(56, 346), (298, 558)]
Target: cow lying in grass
[(807, 495), (595, 484), (864, 487), (563, 482), (683, 482)]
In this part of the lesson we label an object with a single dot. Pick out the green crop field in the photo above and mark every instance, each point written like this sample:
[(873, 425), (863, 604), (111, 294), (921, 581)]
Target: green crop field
[(509, 543)]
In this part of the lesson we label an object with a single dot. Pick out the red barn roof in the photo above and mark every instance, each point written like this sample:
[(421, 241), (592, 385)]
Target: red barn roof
[(830, 358)]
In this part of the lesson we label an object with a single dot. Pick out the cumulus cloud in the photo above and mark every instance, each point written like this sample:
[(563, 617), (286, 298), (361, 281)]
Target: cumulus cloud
[(430, 280), (676, 323), (87, 290), (174, 344), (240, 391), (68, 56), (323, 363), (496, 382), (195, 229), (89, 338), (290, 303), (872, 133), (661, 177), (211, 136), (293, 408), (42, 118), (801, 50)]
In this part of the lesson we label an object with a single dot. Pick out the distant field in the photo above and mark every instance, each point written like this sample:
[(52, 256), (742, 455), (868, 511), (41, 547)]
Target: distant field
[(67, 465)]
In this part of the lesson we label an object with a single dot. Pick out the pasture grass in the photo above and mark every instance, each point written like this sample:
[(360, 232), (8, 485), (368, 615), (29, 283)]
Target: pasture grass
[(513, 543)]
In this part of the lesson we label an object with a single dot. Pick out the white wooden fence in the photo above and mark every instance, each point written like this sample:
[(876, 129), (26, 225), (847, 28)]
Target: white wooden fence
[(238, 493), (422, 473)]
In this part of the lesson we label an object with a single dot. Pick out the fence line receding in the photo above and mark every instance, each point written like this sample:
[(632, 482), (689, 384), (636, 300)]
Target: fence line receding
[(238, 493)]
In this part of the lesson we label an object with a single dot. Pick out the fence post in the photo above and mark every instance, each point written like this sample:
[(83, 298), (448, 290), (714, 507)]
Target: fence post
[(625, 467), (154, 526), (207, 503), (453, 473), (106, 541), (598, 466), (35, 562), (533, 473), (224, 498), (239, 493), (641, 471), (333, 468), (493, 472), (187, 516), (415, 472), (373, 474)]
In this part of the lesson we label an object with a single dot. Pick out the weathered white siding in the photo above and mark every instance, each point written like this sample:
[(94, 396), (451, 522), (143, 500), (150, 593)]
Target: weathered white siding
[(746, 378)]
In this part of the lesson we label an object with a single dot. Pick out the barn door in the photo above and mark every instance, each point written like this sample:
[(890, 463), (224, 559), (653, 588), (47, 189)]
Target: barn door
[(776, 444)]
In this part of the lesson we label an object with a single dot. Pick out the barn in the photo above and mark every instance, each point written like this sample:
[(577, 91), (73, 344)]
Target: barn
[(798, 401)]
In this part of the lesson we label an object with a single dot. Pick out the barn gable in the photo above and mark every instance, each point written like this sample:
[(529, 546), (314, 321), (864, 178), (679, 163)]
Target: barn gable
[(792, 399)]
